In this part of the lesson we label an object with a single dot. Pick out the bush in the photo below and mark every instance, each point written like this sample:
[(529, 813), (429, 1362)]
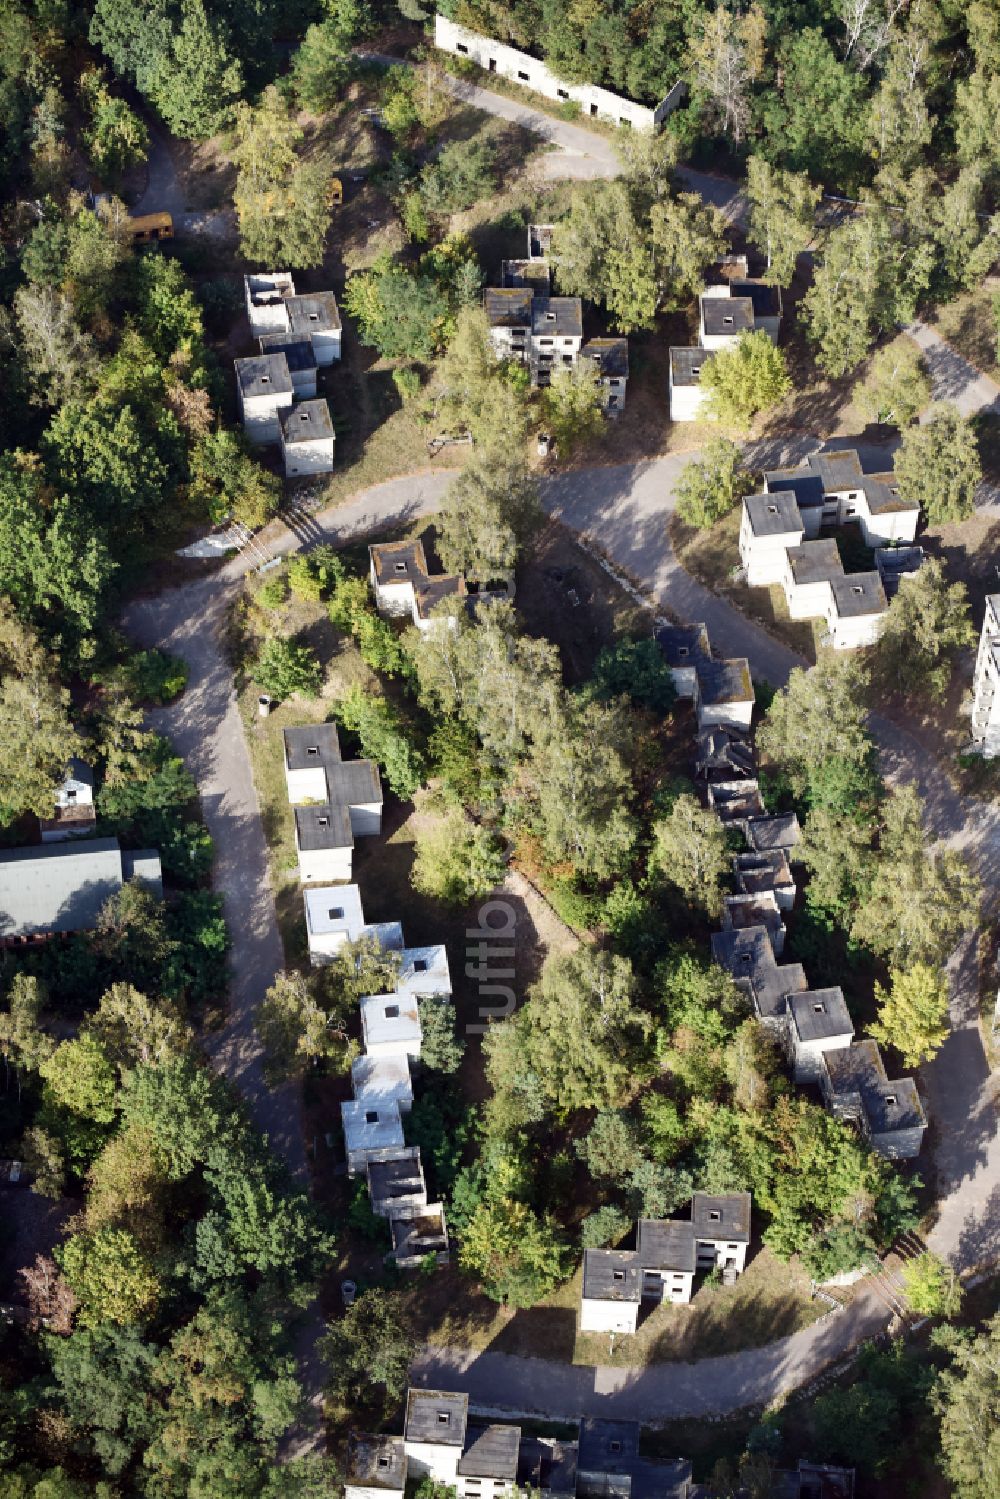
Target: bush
[(407, 382), (157, 677), (384, 737), (573, 905), (603, 1229), (284, 668), (274, 593), (836, 1252)]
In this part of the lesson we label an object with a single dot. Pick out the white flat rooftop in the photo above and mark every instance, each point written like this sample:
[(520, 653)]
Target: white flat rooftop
[(390, 1019), (369, 1126), (382, 1080), (333, 910), (424, 970)]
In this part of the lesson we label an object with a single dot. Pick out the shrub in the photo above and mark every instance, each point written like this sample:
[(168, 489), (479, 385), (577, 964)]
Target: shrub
[(284, 667), (157, 676), (407, 382), (603, 1229)]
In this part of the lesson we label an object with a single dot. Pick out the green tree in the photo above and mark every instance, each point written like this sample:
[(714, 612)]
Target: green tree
[(116, 138), (23, 1042), (133, 1030), (686, 235), (782, 216), (296, 1028), (837, 851), (932, 1287), (635, 669), (321, 65), (227, 483), (37, 737), (920, 900), (457, 860), (384, 737), (926, 627), (461, 174), (580, 1032), (517, 1257), (709, 487), (285, 667), (440, 1048), (80, 1078), (913, 1013), (610, 1147), (475, 392), (401, 313), (59, 358), (817, 118), (896, 388), (967, 1399), (746, 381), (938, 466), (103, 1376), (691, 853), (489, 513), (604, 1228), (577, 788), (110, 1276), (820, 717), (571, 407), (281, 201), (368, 1351)]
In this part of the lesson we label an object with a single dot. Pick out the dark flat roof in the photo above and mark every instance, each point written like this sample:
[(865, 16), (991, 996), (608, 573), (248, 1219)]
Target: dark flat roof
[(57, 887), (839, 470), (732, 1222), (888, 1105), (806, 486), (323, 827), (296, 347), (313, 312), (733, 315), (263, 375), (612, 1275), (354, 783), (607, 1446), (815, 561), (508, 306), (883, 496), (609, 354), (398, 561), (747, 954), (683, 644), (432, 590), (858, 593), (436, 1416), (766, 299), (780, 831), (686, 365), (491, 1452), (302, 740), (754, 908), (763, 871), (774, 514), (666, 1244), (546, 1463), (376, 1462), (725, 681), (817, 1014), (560, 316), (307, 421)]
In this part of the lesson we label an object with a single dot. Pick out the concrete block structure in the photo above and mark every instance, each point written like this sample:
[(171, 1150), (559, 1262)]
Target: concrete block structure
[(544, 333), (434, 1430), (725, 696), (417, 1233), (334, 917), (985, 700), (895, 564), (607, 1458), (760, 909), (376, 1468), (721, 1224), (683, 646), (747, 954), (488, 1465), (856, 1089), (855, 612), (531, 73), (298, 351), (609, 358), (265, 391), (308, 441), (668, 1256), (770, 525), (832, 489), (402, 583), (266, 294), (316, 315), (777, 830), (723, 755), (686, 395), (369, 1128), (818, 1021), (723, 319), (390, 1024), (59, 887), (383, 1079), (315, 772), (809, 569), (73, 811), (324, 843), (396, 1181), (612, 1290), (424, 971), (735, 802), (769, 870)]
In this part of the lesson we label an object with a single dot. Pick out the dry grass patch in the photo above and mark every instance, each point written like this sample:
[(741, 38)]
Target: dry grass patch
[(969, 326)]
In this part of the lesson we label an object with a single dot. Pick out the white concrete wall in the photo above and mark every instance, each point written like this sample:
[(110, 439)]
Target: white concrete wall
[(327, 346), (260, 416), (847, 634), (314, 457), (685, 681), (325, 865), (675, 1286), (611, 391), (308, 785), (529, 72), (765, 557), (807, 1057), (273, 317), (481, 1488), (359, 1491), (395, 599), (719, 1251), (686, 401), (891, 525), (433, 1459), (366, 819), (304, 384), (608, 1316), (725, 715), (807, 600)]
